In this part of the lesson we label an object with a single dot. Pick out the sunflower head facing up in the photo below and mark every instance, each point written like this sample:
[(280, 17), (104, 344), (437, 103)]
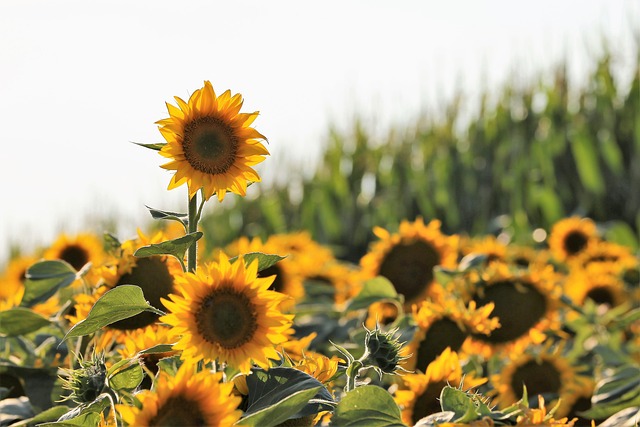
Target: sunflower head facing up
[(225, 312), (186, 399), (211, 144)]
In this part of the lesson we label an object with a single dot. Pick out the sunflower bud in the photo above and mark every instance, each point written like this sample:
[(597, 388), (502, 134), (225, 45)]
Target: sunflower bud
[(383, 351), (88, 381)]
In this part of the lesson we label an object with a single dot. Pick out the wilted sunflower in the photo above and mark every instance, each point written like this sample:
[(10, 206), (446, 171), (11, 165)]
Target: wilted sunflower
[(544, 371), (186, 399), (211, 144), (444, 324), (420, 393), (225, 312), (572, 236), (154, 275), (526, 302), (407, 258)]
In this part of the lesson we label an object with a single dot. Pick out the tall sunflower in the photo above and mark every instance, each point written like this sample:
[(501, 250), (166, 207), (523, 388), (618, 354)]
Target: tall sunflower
[(226, 312), (407, 258), (186, 399), (211, 144)]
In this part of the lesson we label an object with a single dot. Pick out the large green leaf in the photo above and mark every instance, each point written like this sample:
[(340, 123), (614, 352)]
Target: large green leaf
[(44, 279), (283, 393), (370, 406), (264, 260), (20, 321), (119, 303), (459, 402), (176, 247), (376, 289), (51, 414)]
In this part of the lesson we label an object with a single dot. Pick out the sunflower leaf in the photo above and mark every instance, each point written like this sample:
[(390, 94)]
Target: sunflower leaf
[(119, 303), (176, 247), (283, 393), (368, 405), (127, 378), (44, 279), (453, 399), (376, 289), (50, 414), (264, 260), (157, 147), (20, 321), (182, 218)]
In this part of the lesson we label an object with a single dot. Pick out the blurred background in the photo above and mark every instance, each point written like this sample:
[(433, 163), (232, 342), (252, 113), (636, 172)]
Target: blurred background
[(495, 117)]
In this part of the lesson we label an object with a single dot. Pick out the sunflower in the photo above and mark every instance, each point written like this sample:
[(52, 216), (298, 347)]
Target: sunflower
[(408, 258), (543, 371), (489, 246), (419, 395), (186, 399), (154, 275), (597, 282), (288, 279), (447, 323), (226, 312), (572, 236), (526, 302), (541, 417), (211, 144), (77, 250)]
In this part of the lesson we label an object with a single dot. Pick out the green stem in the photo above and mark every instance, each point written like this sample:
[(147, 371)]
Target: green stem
[(192, 252), (352, 373)]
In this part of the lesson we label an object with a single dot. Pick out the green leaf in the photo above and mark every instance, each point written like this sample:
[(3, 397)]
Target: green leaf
[(280, 411), (621, 233), (174, 216), (452, 399), (158, 349), (127, 378), (613, 388), (44, 279), (376, 289), (264, 260), (20, 321), (271, 395), (119, 303), (157, 147), (82, 420), (435, 419), (176, 247), (370, 406), (51, 414)]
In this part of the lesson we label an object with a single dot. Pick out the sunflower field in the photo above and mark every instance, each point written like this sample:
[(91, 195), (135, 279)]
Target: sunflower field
[(479, 271)]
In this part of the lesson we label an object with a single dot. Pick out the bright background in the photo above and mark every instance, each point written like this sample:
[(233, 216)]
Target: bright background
[(79, 81)]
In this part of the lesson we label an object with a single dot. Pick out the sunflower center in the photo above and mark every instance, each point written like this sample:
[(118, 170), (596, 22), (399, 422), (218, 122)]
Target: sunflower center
[(75, 255), (518, 305), (539, 378), (409, 267), (428, 402), (179, 411), (602, 295), (278, 283), (228, 318), (574, 242), (443, 333), (210, 145), (153, 276)]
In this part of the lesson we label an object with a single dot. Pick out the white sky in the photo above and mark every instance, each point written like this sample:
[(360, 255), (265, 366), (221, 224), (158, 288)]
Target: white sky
[(79, 80)]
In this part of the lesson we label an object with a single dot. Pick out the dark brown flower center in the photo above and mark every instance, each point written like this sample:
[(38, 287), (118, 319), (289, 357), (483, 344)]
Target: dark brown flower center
[(153, 276), (428, 402), (540, 378), (75, 255), (179, 411), (518, 305), (602, 295), (442, 333), (574, 242), (210, 145), (227, 317), (409, 267)]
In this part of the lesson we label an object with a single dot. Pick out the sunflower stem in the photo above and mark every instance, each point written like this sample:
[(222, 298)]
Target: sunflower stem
[(192, 252)]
